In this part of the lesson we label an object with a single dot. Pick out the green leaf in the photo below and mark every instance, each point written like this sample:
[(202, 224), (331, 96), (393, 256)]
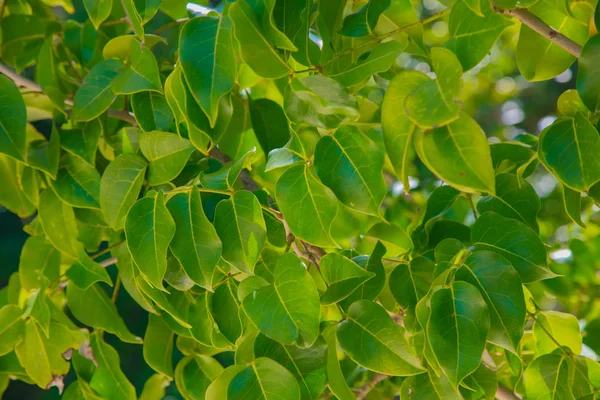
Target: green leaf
[(539, 58), (140, 74), (218, 388), (264, 11), (513, 199), (380, 59), (569, 103), (134, 18), (120, 187), (77, 183), (82, 143), (588, 84), (256, 50), (363, 22), (203, 325), (11, 328), (158, 346), (263, 379), (547, 377), (93, 307), (371, 338), (85, 272), (44, 154), (208, 60), (308, 206), (335, 376), (397, 128), (270, 124), (225, 310), (458, 350), (120, 46), (129, 275), (196, 244), (167, 154), (225, 178), (567, 148), (151, 111), (342, 276), (166, 303), (58, 222), (292, 301), (515, 241), (292, 152), (12, 196), (47, 76), (149, 229), (435, 102), (41, 356), (351, 165), (13, 120), (464, 161), (572, 200), (108, 379), (193, 375), (472, 35), (319, 101), (307, 365), (410, 282), (241, 227), (154, 388), (514, 158), (95, 95), (498, 283), (552, 327), (428, 386), (38, 259), (98, 10), (190, 119)]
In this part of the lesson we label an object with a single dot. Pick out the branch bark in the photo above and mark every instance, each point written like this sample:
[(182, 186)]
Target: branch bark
[(542, 28), (503, 393), (26, 83), (364, 391)]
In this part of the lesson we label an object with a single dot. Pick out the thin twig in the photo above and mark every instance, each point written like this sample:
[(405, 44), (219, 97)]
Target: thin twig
[(171, 24), (26, 83), (108, 262), (503, 393), (364, 391), (115, 293), (533, 22)]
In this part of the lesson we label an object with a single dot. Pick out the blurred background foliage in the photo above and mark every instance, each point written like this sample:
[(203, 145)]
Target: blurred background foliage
[(502, 102)]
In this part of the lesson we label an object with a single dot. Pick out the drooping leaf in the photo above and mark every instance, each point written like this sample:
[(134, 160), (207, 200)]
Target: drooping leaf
[(501, 289), (95, 95), (167, 154), (435, 102), (410, 282), (350, 164), (140, 74), (38, 259), (109, 380), (85, 272), (82, 143), (151, 111), (342, 276), (263, 379), (98, 10), (120, 186), (193, 375), (269, 123), (567, 149), (58, 222), (458, 350), (572, 200), (397, 128), (93, 307), (241, 227), (513, 199), (515, 241), (363, 22), (196, 244), (552, 327), (13, 120), (257, 51), (47, 75), (77, 183), (587, 80), (307, 365), (371, 338), (547, 377), (158, 346), (459, 154), (149, 229), (308, 206), (12, 328), (208, 60), (292, 301)]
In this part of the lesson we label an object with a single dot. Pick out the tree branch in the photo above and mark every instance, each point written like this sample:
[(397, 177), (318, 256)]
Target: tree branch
[(364, 391), (26, 83), (503, 393), (542, 28)]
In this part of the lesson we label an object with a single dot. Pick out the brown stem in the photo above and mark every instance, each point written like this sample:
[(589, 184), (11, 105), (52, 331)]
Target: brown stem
[(170, 24), (364, 391), (503, 393), (542, 28), (115, 293), (26, 83)]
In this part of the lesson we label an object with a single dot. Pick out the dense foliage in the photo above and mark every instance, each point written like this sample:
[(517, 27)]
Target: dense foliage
[(301, 198)]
